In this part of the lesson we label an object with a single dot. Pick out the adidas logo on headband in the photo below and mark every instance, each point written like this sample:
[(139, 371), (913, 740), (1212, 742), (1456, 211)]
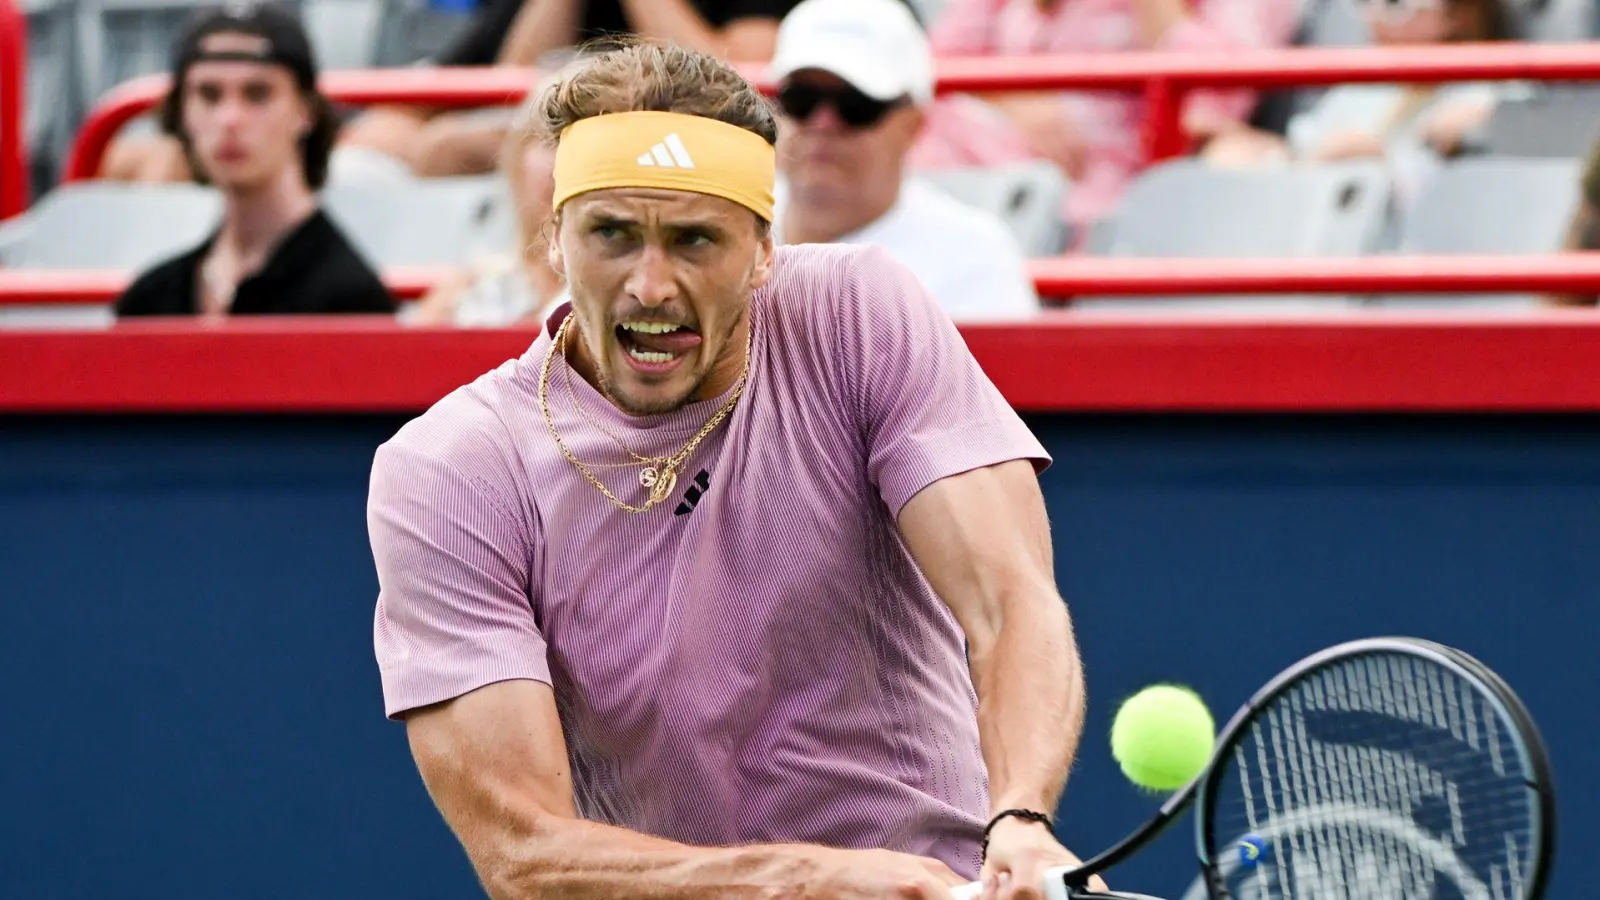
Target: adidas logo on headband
[(668, 153)]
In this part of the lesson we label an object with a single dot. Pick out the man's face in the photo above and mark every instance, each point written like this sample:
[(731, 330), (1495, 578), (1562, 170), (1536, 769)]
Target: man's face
[(838, 141), (661, 283), (244, 120)]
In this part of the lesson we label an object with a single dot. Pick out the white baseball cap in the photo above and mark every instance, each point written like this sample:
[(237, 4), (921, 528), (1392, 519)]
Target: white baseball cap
[(876, 46)]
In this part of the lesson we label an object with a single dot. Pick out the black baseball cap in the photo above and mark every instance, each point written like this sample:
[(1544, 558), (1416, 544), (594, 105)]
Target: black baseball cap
[(283, 40)]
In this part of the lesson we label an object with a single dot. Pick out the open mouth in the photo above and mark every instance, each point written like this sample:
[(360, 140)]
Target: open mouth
[(656, 345)]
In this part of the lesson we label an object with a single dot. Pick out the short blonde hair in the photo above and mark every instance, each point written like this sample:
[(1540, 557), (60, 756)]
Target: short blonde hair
[(640, 76)]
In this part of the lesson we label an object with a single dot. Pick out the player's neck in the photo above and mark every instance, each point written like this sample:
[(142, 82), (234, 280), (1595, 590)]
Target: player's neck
[(256, 219)]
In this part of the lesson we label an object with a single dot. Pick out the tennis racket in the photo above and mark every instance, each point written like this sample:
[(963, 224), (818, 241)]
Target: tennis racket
[(1380, 769)]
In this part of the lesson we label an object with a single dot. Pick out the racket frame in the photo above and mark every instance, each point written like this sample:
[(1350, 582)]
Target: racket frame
[(1530, 749)]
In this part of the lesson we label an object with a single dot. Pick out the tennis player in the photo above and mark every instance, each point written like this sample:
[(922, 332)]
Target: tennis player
[(674, 605)]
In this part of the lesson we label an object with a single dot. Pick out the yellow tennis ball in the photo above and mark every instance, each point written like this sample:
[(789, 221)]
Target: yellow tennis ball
[(1162, 737)]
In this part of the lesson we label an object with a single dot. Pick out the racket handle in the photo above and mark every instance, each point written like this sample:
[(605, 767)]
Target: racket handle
[(1055, 886)]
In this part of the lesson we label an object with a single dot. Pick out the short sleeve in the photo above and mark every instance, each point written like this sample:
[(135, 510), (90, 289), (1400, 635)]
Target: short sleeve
[(454, 610), (924, 408)]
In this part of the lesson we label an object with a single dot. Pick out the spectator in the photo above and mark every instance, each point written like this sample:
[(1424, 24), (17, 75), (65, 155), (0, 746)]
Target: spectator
[(393, 140), (1584, 232), (854, 80), (513, 286), (1092, 136), (245, 109), (1412, 126)]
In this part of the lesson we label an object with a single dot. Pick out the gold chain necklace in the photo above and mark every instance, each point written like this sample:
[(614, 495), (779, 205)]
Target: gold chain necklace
[(660, 474), (649, 462)]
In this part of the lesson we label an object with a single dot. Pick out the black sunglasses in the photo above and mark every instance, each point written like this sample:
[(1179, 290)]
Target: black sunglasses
[(857, 110)]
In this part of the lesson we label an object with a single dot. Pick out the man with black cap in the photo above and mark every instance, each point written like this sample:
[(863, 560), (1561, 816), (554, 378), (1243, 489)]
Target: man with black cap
[(245, 108)]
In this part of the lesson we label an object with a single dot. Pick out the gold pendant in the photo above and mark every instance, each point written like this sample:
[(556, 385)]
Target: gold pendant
[(662, 488), (648, 476)]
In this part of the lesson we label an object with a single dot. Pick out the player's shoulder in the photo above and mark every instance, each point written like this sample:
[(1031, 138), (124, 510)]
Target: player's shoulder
[(813, 275), (470, 431)]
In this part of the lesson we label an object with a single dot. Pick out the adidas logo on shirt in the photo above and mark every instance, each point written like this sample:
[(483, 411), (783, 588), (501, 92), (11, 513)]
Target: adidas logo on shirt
[(668, 153)]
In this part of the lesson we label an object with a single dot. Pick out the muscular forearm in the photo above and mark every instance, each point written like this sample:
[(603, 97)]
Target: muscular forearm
[(1030, 702), (577, 860)]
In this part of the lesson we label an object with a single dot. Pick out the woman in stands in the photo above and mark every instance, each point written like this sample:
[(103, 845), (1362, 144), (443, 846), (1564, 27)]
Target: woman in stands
[(519, 285), (1412, 126), (245, 108)]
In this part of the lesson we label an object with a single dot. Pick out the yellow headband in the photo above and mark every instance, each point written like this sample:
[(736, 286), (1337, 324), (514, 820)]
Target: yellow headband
[(666, 150)]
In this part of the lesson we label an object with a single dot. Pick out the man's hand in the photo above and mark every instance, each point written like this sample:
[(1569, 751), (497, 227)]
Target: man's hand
[(877, 875), (1019, 853)]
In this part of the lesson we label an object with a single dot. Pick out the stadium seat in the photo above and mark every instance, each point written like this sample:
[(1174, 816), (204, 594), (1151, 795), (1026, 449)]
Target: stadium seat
[(1027, 197), (1188, 209), (103, 225), (1490, 205), (434, 221), (1494, 205), (1561, 122)]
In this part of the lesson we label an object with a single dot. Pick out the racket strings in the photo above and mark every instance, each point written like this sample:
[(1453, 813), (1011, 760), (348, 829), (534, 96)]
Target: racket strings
[(1380, 776)]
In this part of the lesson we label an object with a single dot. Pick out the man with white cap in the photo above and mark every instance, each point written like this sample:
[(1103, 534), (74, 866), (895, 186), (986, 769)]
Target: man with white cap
[(853, 79)]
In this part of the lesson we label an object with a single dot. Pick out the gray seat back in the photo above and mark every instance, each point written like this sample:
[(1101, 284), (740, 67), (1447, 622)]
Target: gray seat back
[(102, 225), (1494, 205), (1027, 197), (1489, 205), (1188, 209), (1559, 122), (433, 221)]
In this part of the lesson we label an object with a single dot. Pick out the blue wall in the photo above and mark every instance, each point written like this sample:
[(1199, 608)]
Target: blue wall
[(193, 711)]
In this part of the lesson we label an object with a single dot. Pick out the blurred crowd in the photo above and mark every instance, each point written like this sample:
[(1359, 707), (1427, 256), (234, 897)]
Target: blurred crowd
[(863, 137)]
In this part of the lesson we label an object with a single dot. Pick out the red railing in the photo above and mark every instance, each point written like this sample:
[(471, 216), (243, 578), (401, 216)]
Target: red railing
[(13, 118), (1359, 360), (1164, 77), (1575, 273), (48, 287), (1060, 362)]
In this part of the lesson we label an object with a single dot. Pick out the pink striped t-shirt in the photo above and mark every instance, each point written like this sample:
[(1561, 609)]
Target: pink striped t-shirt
[(758, 659)]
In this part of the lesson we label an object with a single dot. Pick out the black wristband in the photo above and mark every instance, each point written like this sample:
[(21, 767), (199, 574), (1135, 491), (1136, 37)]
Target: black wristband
[(1025, 814)]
